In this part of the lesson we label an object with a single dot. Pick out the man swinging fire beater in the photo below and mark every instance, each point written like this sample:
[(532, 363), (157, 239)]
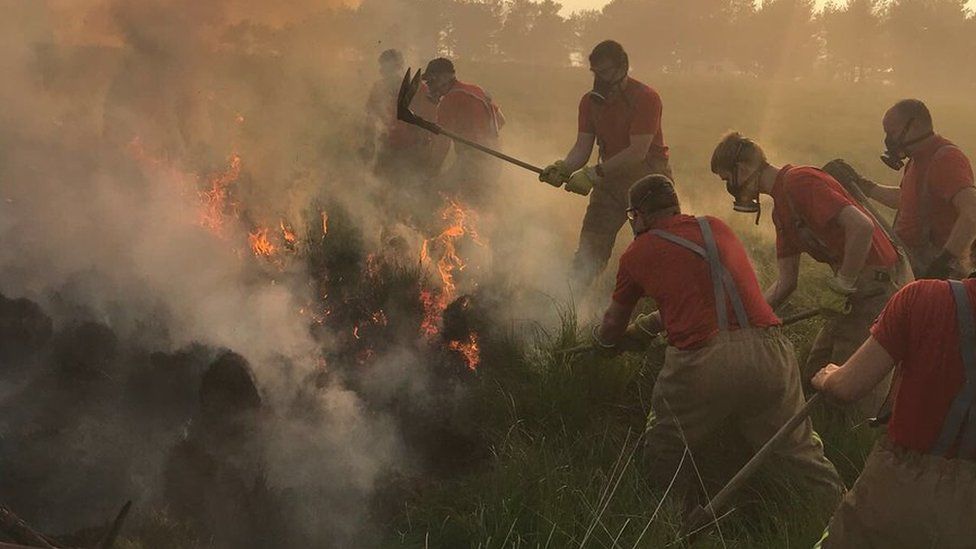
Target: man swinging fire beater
[(936, 199), (813, 214), (727, 360), (623, 117), (918, 487)]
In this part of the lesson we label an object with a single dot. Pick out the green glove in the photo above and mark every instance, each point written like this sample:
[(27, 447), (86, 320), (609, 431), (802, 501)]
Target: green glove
[(555, 174), (582, 181), (836, 299)]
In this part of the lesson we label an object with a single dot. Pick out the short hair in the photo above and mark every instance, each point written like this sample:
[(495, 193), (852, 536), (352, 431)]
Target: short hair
[(653, 193), (909, 109), (441, 65), (735, 148), (391, 56), (609, 49)]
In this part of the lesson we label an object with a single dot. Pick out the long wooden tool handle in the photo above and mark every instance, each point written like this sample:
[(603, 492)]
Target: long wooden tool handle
[(490, 151)]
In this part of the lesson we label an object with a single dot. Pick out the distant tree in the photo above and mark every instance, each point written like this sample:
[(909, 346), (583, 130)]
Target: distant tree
[(928, 40), (471, 28), (534, 32), (784, 42), (853, 40)]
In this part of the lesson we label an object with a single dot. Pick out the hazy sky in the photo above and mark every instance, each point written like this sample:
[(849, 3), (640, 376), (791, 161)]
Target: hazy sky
[(573, 5)]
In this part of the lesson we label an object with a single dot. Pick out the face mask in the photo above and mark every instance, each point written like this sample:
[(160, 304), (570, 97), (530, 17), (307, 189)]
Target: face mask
[(895, 154), (603, 88), (734, 187)]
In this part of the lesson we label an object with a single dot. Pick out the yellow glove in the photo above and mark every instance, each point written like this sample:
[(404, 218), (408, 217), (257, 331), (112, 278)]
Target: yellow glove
[(555, 174), (582, 181), (837, 297)]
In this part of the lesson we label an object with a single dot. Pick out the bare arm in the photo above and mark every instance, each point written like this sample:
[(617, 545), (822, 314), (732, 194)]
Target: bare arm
[(964, 230), (579, 155), (858, 230), (633, 154), (788, 272), (615, 321), (855, 378), (889, 196)]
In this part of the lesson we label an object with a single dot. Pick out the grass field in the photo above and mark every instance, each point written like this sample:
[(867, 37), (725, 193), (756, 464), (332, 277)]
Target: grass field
[(562, 471)]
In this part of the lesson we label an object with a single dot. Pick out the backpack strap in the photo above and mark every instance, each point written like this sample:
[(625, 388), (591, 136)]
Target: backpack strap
[(961, 419)]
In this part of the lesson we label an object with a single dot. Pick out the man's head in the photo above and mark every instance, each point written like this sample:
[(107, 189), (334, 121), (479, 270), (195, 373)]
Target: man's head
[(906, 124), (651, 197), (739, 162), (609, 64), (391, 64), (439, 76)]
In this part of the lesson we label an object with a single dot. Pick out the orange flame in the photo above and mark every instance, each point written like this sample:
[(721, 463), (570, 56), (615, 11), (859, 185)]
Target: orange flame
[(287, 234), (469, 350), (260, 245), (325, 223), (216, 199)]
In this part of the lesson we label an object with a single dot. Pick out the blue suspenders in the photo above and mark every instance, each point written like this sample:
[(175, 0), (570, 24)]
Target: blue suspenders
[(722, 284), (962, 413)]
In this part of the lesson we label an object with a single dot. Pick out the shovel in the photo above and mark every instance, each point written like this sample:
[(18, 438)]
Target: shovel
[(408, 89)]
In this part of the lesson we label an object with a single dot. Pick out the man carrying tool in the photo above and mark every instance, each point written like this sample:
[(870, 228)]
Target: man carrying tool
[(465, 110), (727, 359), (623, 117), (813, 214), (936, 199), (402, 149), (918, 487)]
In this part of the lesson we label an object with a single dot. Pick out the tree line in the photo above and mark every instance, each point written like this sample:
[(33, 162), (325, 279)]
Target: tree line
[(859, 40)]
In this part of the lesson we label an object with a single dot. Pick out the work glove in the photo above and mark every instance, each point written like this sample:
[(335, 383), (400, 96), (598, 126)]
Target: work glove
[(843, 172), (639, 334), (603, 349), (836, 300), (582, 181), (941, 267), (555, 174)]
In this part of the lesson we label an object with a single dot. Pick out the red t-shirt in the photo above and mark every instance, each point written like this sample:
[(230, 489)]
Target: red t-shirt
[(818, 199), (469, 112), (918, 328), (679, 281), (949, 174), (382, 106), (636, 111)]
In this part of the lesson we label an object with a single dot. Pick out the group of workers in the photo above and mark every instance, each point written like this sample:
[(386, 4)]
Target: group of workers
[(888, 339)]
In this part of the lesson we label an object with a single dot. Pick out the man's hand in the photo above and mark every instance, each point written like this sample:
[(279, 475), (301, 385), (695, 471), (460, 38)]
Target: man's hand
[(837, 297), (555, 174), (941, 267), (843, 172), (582, 181), (819, 381), (606, 350)]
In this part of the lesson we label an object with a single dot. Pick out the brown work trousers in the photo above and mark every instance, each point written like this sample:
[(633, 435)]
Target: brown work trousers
[(748, 378), (605, 214), (904, 499), (841, 335)]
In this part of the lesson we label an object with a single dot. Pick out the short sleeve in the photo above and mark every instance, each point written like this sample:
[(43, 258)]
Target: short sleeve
[(817, 202), (585, 118), (647, 113), (891, 329), (627, 291), (449, 113), (950, 173)]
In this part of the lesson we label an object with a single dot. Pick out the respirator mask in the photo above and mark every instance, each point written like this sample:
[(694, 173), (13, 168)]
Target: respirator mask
[(603, 88), (895, 154), (734, 187)]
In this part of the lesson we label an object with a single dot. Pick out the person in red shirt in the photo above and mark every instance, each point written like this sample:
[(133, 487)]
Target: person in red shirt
[(727, 360), (918, 486), (936, 199), (398, 148), (622, 116), (468, 111), (814, 214)]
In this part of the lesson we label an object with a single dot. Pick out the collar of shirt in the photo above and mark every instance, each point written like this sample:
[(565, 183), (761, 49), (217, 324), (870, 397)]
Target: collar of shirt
[(665, 223), (928, 149)]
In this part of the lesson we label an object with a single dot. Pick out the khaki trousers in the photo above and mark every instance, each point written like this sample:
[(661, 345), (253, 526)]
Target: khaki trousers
[(605, 214), (749, 378), (844, 334), (904, 499)]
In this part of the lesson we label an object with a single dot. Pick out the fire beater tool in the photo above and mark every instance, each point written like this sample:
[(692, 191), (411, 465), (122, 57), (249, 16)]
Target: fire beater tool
[(408, 89), (703, 517)]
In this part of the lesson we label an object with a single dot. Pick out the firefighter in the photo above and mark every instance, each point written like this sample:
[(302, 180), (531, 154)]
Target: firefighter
[(813, 214), (623, 117), (469, 112), (727, 360), (936, 200), (918, 487), (398, 148)]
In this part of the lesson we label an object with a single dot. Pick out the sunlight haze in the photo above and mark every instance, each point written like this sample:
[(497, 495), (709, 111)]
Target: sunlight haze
[(570, 6)]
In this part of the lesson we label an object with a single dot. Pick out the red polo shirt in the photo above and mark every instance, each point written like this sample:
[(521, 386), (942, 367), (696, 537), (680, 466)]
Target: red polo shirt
[(469, 112), (818, 198), (918, 328), (949, 172), (679, 282), (636, 111)]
